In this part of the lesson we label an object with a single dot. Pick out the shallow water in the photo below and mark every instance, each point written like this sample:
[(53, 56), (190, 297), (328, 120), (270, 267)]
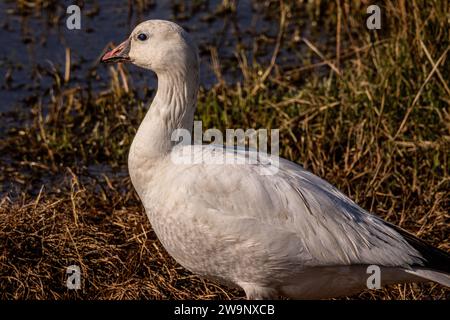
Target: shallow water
[(34, 43)]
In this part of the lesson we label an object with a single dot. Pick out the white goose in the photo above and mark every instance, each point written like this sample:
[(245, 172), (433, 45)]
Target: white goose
[(288, 234)]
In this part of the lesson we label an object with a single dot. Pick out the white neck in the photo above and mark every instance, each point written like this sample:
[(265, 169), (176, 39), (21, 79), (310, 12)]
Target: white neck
[(172, 108)]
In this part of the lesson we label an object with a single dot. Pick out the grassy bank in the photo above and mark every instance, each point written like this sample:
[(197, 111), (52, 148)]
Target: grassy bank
[(369, 113)]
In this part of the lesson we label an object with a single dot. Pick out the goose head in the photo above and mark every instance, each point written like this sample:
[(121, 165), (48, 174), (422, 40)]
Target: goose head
[(158, 45)]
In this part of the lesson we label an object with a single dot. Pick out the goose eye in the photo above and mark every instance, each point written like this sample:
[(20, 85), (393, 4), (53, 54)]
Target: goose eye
[(142, 36)]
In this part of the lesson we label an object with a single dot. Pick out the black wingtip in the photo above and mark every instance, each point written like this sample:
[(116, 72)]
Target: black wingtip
[(433, 257)]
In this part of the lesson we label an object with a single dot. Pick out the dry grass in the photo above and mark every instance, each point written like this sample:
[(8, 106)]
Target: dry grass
[(370, 114), (116, 250)]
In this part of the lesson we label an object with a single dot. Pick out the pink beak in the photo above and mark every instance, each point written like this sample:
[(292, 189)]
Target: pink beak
[(119, 53)]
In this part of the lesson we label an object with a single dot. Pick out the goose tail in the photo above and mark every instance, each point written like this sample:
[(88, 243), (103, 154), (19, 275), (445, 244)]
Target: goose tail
[(431, 275), (436, 262)]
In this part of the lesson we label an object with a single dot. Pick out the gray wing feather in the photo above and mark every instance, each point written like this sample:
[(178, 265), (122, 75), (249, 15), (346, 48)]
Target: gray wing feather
[(327, 227)]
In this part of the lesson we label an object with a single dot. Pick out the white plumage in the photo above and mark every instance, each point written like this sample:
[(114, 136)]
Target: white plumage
[(290, 233)]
